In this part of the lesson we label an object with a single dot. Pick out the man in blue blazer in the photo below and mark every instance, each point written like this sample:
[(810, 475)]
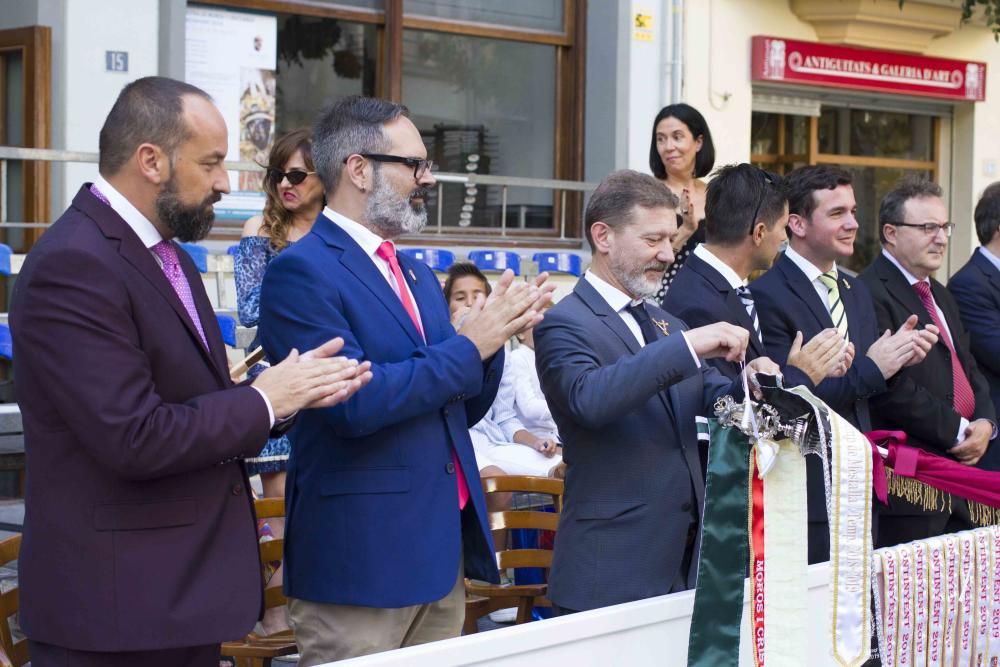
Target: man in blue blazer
[(976, 288), (746, 210), (805, 292), (624, 382), (386, 514)]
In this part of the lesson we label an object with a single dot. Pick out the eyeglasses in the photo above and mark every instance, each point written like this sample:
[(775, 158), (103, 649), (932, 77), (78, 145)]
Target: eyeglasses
[(928, 228), (767, 179), (420, 167), (295, 176)]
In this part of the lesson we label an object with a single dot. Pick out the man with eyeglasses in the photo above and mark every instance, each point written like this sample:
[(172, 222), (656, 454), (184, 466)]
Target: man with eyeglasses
[(976, 288), (943, 404), (806, 292), (386, 514)]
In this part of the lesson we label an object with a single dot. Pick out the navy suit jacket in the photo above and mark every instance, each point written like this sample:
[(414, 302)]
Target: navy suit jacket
[(372, 500), (976, 288), (626, 415), (786, 303), (700, 296), (138, 530)]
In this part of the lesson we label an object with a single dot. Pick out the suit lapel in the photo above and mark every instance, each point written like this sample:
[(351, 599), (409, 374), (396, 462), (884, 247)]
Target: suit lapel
[(989, 271), (363, 267), (135, 253), (850, 301), (805, 291), (733, 302), (899, 289), (608, 317), (427, 293)]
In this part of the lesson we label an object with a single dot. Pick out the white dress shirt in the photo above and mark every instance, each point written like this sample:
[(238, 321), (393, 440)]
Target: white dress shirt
[(529, 402), (500, 423), (813, 273), (727, 272), (994, 260), (369, 242), (619, 300), (149, 237)]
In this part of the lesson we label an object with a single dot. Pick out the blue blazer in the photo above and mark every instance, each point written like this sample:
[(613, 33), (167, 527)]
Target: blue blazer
[(633, 479), (976, 288), (372, 501)]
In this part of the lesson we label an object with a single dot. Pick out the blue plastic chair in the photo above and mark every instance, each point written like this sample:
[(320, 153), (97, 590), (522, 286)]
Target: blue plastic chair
[(6, 344), (436, 258), (496, 260), (199, 254), (228, 326), (559, 262), (5, 253)]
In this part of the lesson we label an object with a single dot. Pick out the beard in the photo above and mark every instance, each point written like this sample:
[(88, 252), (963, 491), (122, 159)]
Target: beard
[(633, 278), (393, 215), (188, 222)]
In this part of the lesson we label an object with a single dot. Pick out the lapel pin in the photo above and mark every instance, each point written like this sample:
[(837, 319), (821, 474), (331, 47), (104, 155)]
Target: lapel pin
[(413, 276), (662, 326), (847, 285)]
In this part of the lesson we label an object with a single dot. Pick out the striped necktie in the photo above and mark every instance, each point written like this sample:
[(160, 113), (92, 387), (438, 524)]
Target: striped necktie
[(747, 298), (836, 305), (965, 398)]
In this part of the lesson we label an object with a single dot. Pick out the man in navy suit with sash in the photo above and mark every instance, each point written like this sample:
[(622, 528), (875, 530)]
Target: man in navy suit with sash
[(976, 288), (625, 382), (386, 515), (139, 540), (805, 292)]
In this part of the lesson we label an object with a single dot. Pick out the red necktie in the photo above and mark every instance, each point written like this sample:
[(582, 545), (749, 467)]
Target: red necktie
[(387, 252), (965, 399)]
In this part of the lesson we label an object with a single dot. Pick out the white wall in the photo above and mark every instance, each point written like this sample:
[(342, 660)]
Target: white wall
[(91, 29)]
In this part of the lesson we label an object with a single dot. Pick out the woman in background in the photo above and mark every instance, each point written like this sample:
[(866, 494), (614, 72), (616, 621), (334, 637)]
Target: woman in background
[(681, 153), (294, 201)]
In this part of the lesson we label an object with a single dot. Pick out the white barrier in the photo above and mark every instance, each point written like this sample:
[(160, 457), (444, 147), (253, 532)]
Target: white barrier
[(650, 632)]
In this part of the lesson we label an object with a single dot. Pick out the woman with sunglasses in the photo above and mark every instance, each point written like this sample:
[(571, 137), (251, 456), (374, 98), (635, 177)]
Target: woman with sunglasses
[(294, 200), (681, 153)]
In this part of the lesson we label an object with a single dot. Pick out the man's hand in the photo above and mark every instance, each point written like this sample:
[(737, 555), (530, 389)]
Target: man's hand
[(906, 346), (511, 308), (721, 339), (316, 379), (825, 355), (977, 439)]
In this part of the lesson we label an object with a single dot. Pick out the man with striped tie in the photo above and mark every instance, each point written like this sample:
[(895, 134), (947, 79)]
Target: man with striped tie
[(804, 292), (944, 403)]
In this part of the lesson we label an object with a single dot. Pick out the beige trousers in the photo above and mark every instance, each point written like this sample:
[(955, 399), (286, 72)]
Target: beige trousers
[(331, 632)]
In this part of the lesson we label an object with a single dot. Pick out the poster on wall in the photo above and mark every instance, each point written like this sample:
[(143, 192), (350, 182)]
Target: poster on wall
[(233, 56)]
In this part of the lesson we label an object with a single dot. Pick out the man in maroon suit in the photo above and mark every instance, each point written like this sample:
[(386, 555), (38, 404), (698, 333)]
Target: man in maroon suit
[(139, 540)]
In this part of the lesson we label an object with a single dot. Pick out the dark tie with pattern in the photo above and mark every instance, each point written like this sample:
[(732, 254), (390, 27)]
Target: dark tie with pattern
[(747, 298), (965, 399), (641, 315)]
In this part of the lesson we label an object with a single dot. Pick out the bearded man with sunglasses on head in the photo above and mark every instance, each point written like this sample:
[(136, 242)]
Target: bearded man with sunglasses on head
[(386, 514)]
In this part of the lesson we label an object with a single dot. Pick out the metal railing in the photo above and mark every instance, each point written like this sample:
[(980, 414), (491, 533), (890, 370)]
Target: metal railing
[(12, 153)]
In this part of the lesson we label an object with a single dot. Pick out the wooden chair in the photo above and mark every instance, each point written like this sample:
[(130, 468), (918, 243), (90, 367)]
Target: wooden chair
[(256, 650), (481, 599), (12, 654)]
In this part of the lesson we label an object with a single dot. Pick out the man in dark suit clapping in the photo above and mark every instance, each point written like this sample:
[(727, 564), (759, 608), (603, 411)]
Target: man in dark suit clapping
[(625, 381), (139, 539), (944, 402), (976, 288)]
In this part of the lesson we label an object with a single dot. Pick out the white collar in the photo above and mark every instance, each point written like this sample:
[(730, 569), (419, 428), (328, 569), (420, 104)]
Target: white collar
[(910, 278), (812, 271), (994, 260), (139, 223), (364, 237), (727, 272), (615, 298)]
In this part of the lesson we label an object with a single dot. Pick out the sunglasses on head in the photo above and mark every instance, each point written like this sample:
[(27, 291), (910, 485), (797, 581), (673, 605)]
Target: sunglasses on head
[(295, 176)]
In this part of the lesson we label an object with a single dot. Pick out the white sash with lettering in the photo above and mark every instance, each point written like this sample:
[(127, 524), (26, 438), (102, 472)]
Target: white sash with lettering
[(984, 590), (920, 616), (889, 606), (966, 598), (904, 652), (994, 655), (937, 597), (951, 591)]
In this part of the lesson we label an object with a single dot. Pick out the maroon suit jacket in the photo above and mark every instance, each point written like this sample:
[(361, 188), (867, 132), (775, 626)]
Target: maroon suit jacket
[(138, 535)]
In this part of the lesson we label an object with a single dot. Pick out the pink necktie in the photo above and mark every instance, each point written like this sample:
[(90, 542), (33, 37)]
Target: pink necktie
[(387, 252), (167, 253), (965, 399)]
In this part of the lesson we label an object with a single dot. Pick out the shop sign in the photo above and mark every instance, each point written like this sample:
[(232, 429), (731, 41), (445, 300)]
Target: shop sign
[(790, 61)]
